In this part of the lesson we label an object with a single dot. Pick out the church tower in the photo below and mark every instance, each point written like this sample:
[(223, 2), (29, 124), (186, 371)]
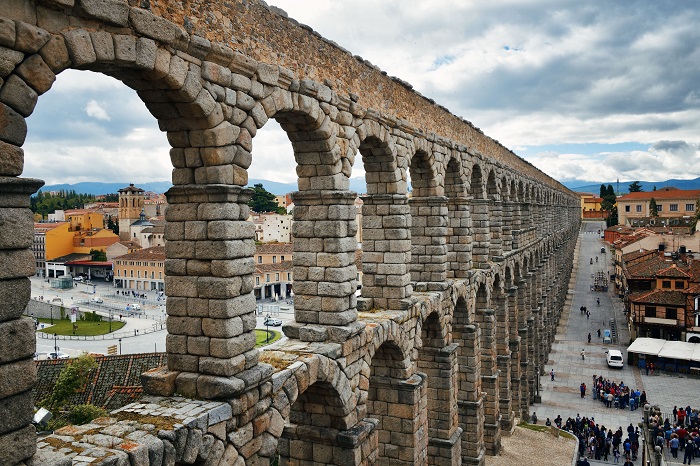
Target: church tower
[(131, 200)]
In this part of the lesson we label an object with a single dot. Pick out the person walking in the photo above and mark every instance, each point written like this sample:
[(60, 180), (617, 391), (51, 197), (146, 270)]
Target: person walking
[(673, 445), (583, 354), (589, 337), (689, 450), (551, 374)]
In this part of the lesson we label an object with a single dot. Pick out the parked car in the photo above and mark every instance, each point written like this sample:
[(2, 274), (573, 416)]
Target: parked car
[(57, 355), (97, 299), (614, 358), (135, 307), (78, 279), (272, 322)]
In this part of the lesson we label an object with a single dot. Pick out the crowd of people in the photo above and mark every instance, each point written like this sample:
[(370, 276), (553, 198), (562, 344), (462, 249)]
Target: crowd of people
[(617, 395), (681, 435), (603, 444)]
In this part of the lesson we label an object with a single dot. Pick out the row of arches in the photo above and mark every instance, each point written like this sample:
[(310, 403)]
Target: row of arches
[(414, 377)]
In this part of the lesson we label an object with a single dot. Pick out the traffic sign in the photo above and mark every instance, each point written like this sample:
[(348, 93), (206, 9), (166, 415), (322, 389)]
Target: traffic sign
[(112, 349)]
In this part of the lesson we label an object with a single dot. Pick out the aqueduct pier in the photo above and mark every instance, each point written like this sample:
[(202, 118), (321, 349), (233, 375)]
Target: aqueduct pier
[(463, 281)]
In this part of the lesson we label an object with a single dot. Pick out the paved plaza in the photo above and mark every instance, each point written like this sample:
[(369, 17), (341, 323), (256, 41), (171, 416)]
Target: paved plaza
[(562, 396)]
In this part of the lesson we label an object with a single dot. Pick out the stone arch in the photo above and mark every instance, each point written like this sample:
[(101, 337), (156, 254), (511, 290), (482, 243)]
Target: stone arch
[(386, 221), (392, 396), (428, 221), (316, 406), (459, 248), (437, 358)]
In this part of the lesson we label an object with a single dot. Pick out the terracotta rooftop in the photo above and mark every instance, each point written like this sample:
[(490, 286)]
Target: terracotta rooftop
[(672, 272), (285, 266), (106, 386), (668, 192), (273, 248), (662, 297), (156, 253)]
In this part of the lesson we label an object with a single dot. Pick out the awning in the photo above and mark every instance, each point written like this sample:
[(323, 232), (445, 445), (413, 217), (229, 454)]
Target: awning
[(643, 345), (666, 349)]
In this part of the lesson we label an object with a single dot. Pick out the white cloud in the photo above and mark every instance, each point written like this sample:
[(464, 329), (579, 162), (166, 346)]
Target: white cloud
[(94, 110), (530, 74)]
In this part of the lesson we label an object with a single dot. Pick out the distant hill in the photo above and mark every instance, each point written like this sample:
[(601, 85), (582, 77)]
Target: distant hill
[(95, 188), (356, 184), (647, 186)]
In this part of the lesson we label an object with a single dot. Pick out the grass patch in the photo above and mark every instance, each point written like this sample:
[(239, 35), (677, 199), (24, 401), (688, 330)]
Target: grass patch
[(261, 337), (65, 327)]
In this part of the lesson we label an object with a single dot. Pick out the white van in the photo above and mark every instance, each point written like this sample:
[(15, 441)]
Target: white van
[(614, 358)]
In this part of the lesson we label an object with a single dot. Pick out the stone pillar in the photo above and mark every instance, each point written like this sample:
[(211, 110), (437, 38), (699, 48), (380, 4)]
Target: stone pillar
[(459, 238), (516, 231), (525, 396), (17, 366), (495, 229), (508, 224), (316, 445), (444, 447), (211, 306), (514, 342), (401, 431), (471, 406), (429, 243), (386, 251), (531, 360), (480, 232), (503, 336), (490, 380), (325, 275)]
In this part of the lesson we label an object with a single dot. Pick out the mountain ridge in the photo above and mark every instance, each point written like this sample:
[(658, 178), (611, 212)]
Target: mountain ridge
[(356, 184)]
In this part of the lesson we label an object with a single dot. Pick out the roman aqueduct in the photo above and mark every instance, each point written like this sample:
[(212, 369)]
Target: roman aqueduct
[(463, 281)]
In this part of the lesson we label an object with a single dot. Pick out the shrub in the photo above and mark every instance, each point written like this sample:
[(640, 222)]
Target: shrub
[(82, 414)]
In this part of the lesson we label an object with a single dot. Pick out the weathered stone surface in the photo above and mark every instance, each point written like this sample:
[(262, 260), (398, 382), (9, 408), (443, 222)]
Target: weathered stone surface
[(18, 445), (17, 340), (112, 11), (16, 412), (13, 128), (159, 381)]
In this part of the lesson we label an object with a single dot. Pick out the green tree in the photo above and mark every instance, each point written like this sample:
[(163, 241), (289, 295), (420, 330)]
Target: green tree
[(635, 187), (603, 190), (609, 191), (112, 225), (612, 218), (73, 376), (653, 208), (98, 256), (262, 200)]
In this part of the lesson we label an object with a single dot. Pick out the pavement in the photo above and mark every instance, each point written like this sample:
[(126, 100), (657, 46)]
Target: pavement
[(562, 396), (144, 333)]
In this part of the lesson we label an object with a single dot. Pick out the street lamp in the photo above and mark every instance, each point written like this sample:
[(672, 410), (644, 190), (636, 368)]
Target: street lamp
[(267, 330), (110, 321), (120, 346), (55, 344)]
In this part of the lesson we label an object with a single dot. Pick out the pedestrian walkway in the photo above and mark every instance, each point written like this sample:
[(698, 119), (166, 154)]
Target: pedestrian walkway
[(562, 396)]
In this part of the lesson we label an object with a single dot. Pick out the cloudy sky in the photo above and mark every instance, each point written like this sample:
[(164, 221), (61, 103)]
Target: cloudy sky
[(586, 91)]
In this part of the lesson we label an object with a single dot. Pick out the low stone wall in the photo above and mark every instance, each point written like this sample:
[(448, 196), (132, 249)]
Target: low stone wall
[(162, 431)]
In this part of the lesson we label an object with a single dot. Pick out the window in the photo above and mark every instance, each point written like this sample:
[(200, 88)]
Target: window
[(673, 208), (627, 208), (281, 258), (690, 207), (671, 313), (267, 277), (138, 274), (257, 281), (132, 273), (649, 311), (666, 284), (289, 277), (680, 284), (259, 259), (659, 207), (274, 259), (639, 208), (277, 277)]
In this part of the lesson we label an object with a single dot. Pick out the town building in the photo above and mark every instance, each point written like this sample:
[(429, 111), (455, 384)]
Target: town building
[(131, 204), (661, 291), (143, 270), (671, 203), (40, 243), (272, 227), (591, 207), (273, 271)]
